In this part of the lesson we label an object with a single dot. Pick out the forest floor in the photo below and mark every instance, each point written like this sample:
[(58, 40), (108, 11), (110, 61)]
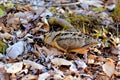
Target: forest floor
[(59, 40)]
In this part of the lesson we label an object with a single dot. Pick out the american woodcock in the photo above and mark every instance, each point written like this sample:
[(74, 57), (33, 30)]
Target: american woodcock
[(70, 41)]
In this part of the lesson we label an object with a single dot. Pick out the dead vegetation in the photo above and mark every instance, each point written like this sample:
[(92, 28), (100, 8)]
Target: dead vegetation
[(59, 40)]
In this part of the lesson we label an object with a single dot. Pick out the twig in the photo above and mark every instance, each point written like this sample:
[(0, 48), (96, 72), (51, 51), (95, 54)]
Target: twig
[(53, 5)]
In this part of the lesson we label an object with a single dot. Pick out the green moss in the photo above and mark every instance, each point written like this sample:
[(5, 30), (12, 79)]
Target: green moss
[(84, 24), (116, 13), (99, 9), (53, 9)]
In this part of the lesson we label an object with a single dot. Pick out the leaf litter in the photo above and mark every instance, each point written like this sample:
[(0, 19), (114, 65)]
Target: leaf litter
[(59, 40)]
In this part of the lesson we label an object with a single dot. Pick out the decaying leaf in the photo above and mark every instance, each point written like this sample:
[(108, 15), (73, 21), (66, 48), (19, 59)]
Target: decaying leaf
[(43, 76), (91, 59), (60, 61), (29, 77), (3, 28), (80, 64), (109, 67), (33, 64), (6, 35), (15, 50), (35, 52), (1, 56), (117, 73), (13, 67), (69, 77), (1, 66)]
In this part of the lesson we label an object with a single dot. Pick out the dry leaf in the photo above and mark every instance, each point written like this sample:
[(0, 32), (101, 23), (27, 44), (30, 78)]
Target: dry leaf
[(3, 74), (3, 28), (109, 67), (43, 76), (13, 67), (73, 68), (117, 73), (2, 67), (91, 59), (6, 35), (15, 50), (1, 56), (96, 3), (58, 77), (80, 64), (29, 77), (61, 61), (33, 64), (69, 77)]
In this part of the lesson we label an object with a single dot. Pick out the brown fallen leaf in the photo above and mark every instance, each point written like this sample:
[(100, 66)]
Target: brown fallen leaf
[(6, 35), (3, 74), (15, 50), (34, 65), (109, 67), (30, 77), (14, 68), (61, 61), (69, 77), (102, 76), (43, 76), (3, 28), (117, 73)]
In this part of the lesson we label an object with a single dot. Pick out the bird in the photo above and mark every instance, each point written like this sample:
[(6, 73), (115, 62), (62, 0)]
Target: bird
[(70, 41)]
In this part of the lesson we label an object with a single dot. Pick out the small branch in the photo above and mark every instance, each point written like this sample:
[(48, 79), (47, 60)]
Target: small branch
[(54, 5)]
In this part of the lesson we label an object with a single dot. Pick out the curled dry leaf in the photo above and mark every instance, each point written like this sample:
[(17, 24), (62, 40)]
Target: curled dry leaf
[(109, 67), (61, 61), (115, 49), (15, 50), (6, 35), (1, 65), (43, 76), (69, 77), (73, 68), (29, 77), (3, 28), (3, 75), (80, 64), (97, 3), (33, 64), (59, 72), (1, 56), (117, 73), (58, 77), (91, 59), (46, 26), (13, 67)]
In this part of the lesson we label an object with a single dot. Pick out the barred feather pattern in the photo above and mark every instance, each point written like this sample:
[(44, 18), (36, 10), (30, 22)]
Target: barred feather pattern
[(70, 41)]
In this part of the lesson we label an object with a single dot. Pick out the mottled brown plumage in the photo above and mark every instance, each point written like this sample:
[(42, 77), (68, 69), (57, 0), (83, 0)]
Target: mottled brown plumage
[(70, 41)]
